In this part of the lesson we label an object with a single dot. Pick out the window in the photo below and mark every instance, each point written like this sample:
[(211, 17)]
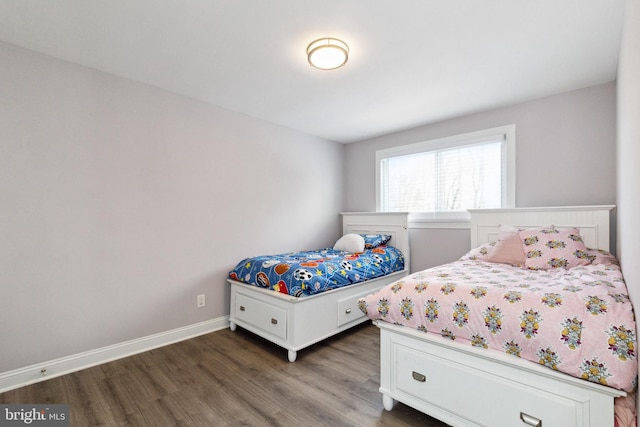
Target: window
[(440, 179)]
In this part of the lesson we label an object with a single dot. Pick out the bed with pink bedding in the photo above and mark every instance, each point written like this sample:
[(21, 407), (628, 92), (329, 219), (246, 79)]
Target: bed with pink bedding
[(578, 321), (536, 294)]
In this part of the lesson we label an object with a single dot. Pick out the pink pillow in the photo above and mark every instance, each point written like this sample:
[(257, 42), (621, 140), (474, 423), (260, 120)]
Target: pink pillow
[(548, 248), (508, 248), (598, 256)]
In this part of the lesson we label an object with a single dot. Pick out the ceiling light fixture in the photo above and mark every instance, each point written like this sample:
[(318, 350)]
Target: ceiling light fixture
[(327, 53)]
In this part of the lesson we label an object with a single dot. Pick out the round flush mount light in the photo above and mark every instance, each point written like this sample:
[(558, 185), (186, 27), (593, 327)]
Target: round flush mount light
[(327, 53)]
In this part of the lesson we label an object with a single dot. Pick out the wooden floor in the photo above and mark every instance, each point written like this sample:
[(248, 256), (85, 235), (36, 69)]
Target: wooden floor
[(230, 379)]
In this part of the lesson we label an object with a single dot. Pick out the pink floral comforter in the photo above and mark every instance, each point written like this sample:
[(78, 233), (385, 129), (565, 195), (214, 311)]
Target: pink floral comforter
[(577, 321)]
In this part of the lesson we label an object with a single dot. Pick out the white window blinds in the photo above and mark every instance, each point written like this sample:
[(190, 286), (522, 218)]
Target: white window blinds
[(445, 176)]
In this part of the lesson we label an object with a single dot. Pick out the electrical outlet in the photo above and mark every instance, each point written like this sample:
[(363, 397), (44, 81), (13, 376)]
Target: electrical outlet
[(201, 301)]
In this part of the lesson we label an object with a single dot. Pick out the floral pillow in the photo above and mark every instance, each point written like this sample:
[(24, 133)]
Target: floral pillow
[(374, 240), (478, 254), (599, 256), (548, 248)]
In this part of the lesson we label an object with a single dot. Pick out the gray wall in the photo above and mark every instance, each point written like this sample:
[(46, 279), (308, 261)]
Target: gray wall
[(119, 203), (565, 155), (629, 152)]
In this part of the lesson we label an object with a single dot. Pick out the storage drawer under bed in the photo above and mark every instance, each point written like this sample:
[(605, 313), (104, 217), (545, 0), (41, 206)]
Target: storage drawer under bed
[(488, 400), (348, 310), (270, 319)]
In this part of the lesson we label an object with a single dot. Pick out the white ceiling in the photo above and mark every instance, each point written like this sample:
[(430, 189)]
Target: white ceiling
[(412, 62)]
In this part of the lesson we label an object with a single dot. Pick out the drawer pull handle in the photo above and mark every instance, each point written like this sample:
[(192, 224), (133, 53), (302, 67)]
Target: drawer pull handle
[(530, 421), (348, 310), (418, 376), (242, 308), (274, 321)]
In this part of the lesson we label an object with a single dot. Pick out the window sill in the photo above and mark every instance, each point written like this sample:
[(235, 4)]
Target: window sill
[(421, 220)]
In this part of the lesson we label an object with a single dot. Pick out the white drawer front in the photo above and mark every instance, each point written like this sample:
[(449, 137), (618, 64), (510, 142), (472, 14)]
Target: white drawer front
[(264, 316), (348, 310), (487, 400)]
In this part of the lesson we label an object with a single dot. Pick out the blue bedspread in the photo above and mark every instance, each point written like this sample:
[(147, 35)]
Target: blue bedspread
[(312, 272)]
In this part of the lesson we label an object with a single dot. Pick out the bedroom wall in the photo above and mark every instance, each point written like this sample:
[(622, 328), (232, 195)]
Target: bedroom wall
[(565, 155), (120, 203), (628, 154)]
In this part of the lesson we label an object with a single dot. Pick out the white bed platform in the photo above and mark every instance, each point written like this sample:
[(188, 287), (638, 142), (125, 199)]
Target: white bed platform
[(296, 323), (465, 386)]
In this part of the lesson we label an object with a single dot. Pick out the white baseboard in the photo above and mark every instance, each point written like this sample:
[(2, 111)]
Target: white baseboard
[(54, 368)]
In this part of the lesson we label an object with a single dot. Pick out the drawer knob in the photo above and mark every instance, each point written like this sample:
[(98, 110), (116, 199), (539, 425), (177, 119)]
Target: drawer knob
[(242, 308), (348, 310), (418, 376), (274, 321), (530, 421)]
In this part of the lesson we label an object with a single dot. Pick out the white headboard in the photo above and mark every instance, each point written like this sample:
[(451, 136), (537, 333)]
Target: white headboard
[(592, 221), (392, 223)]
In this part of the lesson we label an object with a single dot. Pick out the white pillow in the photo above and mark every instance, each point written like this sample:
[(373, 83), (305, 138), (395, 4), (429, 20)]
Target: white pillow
[(350, 243)]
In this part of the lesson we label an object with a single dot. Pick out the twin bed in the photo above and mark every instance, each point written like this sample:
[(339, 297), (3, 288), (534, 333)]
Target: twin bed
[(296, 321), (482, 343), (505, 336)]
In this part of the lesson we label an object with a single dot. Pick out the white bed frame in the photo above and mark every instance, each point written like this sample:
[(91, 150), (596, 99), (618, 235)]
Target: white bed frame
[(296, 323), (465, 386)]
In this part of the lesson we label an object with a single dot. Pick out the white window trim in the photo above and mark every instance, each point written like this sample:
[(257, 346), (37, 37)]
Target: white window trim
[(455, 220)]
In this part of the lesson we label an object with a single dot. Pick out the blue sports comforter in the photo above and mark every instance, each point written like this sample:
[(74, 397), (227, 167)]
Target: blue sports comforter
[(312, 272)]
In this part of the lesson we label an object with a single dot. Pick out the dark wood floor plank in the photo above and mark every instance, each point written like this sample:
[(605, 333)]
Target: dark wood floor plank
[(228, 379)]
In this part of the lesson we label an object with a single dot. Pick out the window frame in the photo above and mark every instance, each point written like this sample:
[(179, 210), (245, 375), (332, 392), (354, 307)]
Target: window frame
[(455, 219)]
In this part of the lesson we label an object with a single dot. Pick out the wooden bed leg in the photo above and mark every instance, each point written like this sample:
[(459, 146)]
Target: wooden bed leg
[(232, 326), (388, 402), (292, 355)]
